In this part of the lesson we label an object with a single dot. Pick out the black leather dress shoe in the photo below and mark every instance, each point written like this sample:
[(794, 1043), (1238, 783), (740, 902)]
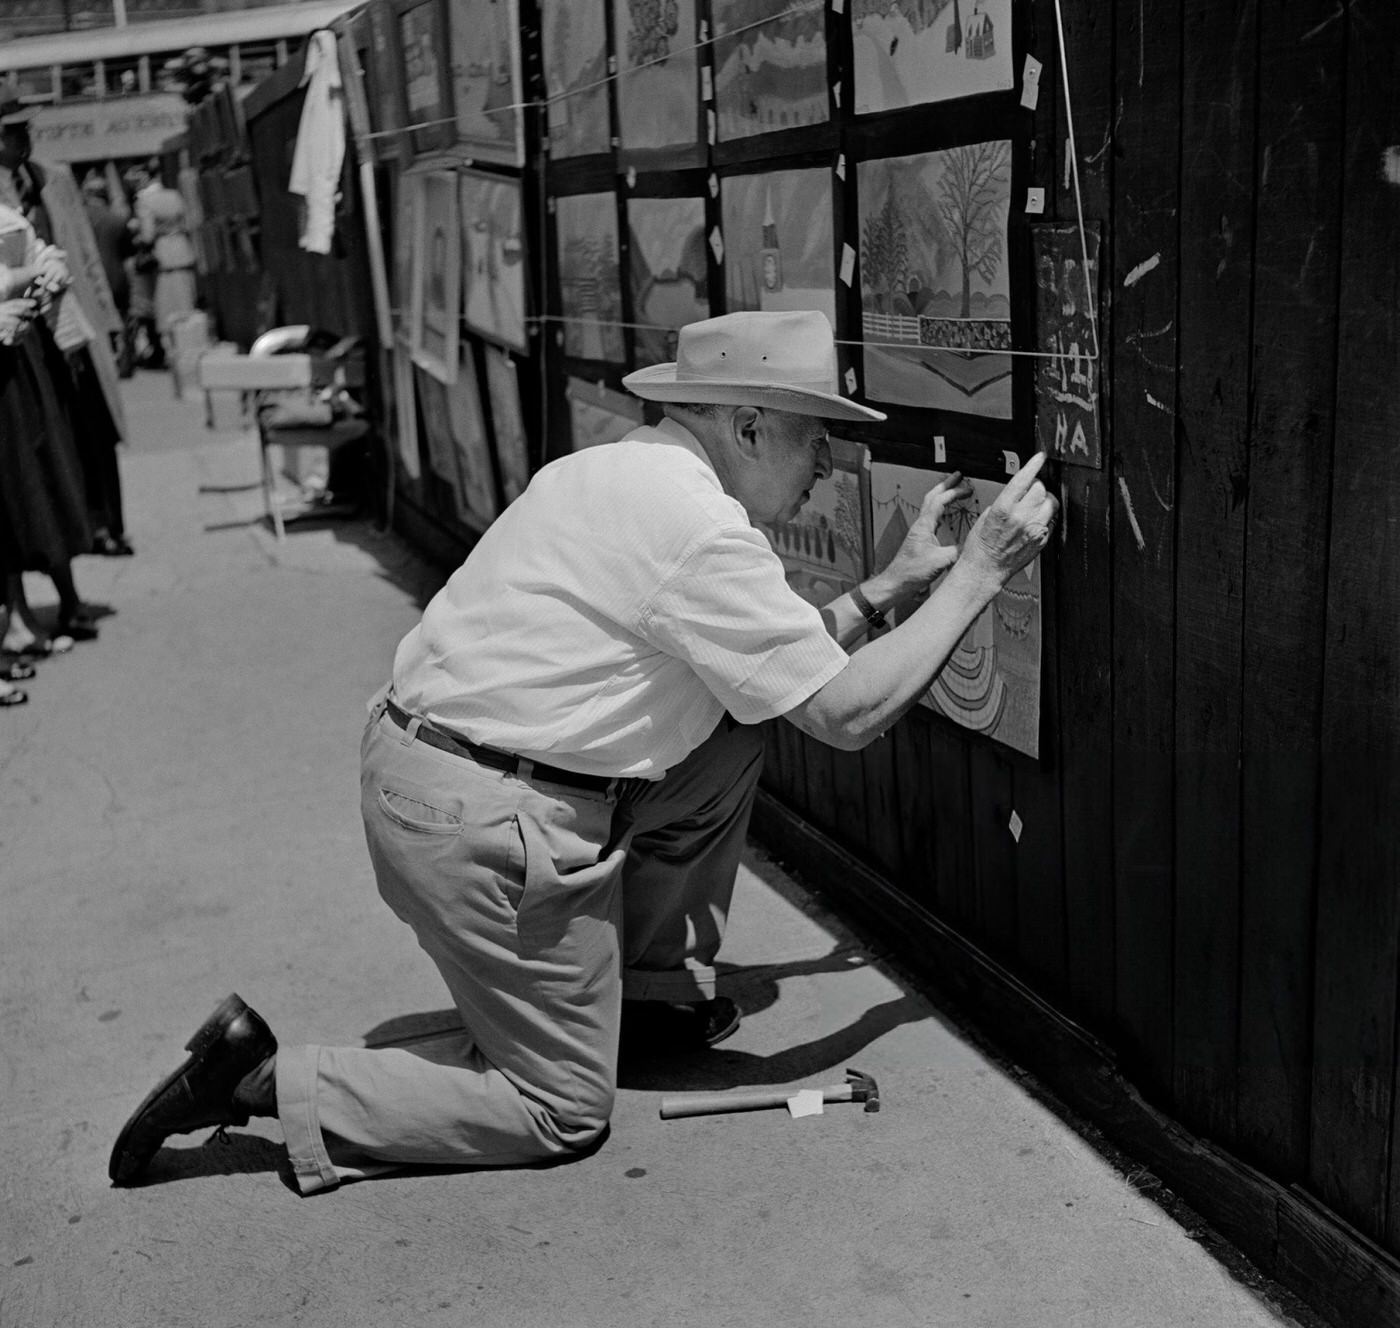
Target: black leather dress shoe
[(231, 1043), (662, 1026)]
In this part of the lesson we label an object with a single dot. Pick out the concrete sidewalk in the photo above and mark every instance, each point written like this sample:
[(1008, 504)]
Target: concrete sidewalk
[(179, 819)]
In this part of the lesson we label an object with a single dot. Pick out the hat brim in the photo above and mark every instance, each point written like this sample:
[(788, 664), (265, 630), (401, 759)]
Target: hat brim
[(657, 382), (21, 116)]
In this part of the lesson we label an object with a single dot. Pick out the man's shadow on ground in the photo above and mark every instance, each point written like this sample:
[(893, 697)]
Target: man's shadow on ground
[(651, 1068)]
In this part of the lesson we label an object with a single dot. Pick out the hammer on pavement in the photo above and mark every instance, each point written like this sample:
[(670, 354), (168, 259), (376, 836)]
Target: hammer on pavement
[(859, 1087)]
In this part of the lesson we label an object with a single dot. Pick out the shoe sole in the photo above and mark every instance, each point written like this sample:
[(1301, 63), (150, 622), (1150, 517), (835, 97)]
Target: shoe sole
[(123, 1168), (727, 1031)]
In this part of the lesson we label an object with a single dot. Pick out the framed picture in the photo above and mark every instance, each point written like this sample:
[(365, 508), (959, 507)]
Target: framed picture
[(669, 272), (486, 81), (385, 78), (493, 257), (590, 276), (907, 55), (576, 76), (934, 286), (512, 445), (405, 416), (437, 427), (991, 683), (599, 414), (658, 83), (436, 282), (769, 76), (422, 33), (779, 251), (408, 195), (477, 505)]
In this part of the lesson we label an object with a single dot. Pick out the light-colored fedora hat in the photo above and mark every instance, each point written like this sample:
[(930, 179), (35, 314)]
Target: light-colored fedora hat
[(783, 360)]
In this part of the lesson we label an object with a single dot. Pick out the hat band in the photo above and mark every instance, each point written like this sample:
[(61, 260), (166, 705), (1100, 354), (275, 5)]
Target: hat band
[(823, 383)]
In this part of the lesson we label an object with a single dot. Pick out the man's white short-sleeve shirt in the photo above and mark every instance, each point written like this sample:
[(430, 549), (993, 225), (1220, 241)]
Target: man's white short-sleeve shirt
[(612, 614)]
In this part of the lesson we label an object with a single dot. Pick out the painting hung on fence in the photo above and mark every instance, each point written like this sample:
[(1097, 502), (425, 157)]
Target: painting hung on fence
[(907, 52), (769, 75), (576, 76), (825, 549), (934, 293), (405, 416), (437, 428), (778, 248), (658, 92), (486, 84), (437, 280), (512, 446), (407, 197), (590, 276), (493, 257), (991, 683), (670, 283), (476, 494), (427, 92), (599, 414)]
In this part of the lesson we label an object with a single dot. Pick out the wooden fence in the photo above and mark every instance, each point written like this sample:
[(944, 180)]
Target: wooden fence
[(1207, 877)]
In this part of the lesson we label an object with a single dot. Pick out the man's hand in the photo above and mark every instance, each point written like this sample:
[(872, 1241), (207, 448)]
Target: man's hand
[(921, 559), (1014, 529)]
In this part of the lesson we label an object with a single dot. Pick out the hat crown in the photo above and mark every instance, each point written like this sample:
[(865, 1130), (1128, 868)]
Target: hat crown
[(786, 349)]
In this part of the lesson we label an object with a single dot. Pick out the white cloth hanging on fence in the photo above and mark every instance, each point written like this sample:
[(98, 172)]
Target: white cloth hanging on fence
[(320, 149)]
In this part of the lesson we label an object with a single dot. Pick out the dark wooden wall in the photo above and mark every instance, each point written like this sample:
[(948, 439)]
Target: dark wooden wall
[(1208, 877)]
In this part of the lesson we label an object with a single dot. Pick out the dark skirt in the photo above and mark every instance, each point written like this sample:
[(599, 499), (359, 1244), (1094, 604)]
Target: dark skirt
[(95, 433), (43, 499)]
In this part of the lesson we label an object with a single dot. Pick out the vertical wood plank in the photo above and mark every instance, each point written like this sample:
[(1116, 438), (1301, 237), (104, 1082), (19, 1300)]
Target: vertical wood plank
[(878, 774), (917, 795), (951, 805), (1298, 181), (1144, 284), (994, 851), (1083, 603), (1217, 256), (1358, 910)]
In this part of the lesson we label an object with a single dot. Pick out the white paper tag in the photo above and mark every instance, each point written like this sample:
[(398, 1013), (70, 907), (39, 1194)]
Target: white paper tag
[(836, 94), (852, 382), (1013, 462), (710, 120), (806, 1102), (553, 205), (838, 6), (841, 167), (714, 185), (717, 244), (1015, 825), (1030, 96), (940, 449), (707, 88), (631, 177), (1030, 82), (848, 264), (1035, 201), (1030, 73)]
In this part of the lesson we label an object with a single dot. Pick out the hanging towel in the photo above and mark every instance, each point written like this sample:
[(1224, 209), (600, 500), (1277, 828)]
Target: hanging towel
[(320, 148)]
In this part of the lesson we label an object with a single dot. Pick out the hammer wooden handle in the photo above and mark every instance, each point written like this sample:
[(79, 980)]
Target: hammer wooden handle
[(711, 1104)]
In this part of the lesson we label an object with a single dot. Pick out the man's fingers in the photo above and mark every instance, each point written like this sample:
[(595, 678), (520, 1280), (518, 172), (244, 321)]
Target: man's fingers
[(1019, 484)]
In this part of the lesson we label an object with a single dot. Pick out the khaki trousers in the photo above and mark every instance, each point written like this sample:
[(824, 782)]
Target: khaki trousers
[(542, 906)]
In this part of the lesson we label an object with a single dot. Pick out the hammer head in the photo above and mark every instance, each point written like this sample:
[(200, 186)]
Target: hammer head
[(864, 1089)]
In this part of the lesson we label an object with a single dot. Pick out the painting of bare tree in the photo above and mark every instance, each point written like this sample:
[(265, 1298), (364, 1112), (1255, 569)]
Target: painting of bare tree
[(935, 297)]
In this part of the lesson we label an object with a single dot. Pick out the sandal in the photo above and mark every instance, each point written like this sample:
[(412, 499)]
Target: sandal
[(12, 696), (40, 649), (17, 672)]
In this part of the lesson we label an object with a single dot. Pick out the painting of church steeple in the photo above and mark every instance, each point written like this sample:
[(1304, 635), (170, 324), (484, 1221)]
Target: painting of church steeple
[(769, 254), (905, 52), (778, 247)]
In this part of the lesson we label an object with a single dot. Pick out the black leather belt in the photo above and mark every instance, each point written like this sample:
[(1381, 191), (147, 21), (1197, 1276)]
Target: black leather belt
[(489, 756)]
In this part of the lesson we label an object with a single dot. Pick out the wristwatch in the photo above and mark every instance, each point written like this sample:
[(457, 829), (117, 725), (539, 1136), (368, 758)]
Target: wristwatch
[(868, 611)]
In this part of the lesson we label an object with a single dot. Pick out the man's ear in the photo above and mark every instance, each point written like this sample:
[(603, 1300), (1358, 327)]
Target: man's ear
[(747, 426)]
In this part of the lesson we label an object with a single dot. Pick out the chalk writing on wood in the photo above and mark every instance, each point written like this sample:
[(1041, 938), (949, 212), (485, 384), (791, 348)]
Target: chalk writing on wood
[(1067, 381)]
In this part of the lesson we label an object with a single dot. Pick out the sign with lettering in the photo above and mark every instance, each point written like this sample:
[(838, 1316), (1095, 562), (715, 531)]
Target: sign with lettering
[(107, 130), (1066, 310)]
